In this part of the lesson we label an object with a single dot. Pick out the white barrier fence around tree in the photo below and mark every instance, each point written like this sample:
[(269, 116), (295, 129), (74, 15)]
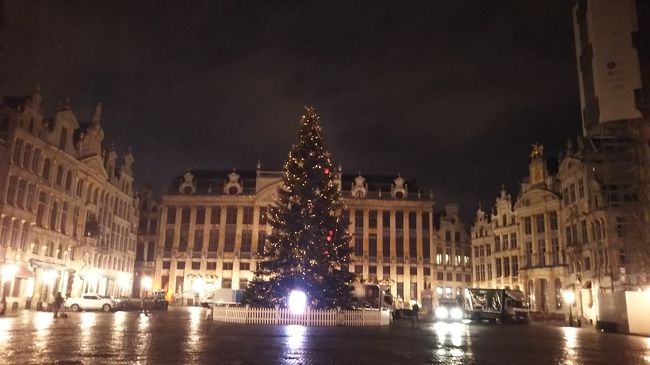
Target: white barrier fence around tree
[(280, 316)]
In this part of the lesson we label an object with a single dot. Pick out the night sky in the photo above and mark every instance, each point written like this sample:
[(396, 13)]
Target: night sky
[(451, 93)]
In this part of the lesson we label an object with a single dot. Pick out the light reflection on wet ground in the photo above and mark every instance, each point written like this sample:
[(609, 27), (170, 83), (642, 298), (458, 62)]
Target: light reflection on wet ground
[(184, 336)]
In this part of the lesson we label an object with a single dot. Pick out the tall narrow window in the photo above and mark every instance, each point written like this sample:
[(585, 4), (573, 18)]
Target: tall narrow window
[(46, 169), (372, 219), (64, 218), (246, 240), (171, 214), (198, 241), (372, 245), (263, 217), (40, 209), (169, 239), (215, 215), (183, 240), (213, 240), (247, 217), (200, 215), (385, 247), (231, 215), (18, 152), (11, 190), (261, 241), (64, 138), (185, 215), (426, 249), (229, 244), (68, 181), (413, 250), (53, 213), (59, 175)]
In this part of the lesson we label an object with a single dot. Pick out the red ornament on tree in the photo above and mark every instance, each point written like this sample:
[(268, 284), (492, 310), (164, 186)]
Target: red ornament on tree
[(329, 238), (326, 171)]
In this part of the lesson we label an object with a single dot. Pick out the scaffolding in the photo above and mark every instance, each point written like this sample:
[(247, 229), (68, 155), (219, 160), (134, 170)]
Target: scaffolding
[(618, 156)]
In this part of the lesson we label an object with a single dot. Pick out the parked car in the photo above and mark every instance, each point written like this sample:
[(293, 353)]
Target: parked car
[(91, 302)]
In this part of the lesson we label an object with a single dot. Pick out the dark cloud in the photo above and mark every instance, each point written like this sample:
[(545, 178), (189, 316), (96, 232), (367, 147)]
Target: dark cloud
[(451, 93)]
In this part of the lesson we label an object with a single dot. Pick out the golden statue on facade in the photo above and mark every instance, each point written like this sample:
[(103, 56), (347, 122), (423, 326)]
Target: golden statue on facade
[(537, 150)]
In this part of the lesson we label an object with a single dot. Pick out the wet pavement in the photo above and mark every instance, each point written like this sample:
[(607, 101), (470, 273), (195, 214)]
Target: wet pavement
[(184, 336)]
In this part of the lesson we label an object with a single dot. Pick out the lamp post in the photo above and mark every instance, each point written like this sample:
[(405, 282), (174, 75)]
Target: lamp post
[(569, 298), (146, 284)]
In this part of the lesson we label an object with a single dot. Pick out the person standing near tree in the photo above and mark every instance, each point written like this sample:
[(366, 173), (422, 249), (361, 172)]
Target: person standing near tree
[(143, 306), (416, 313), (56, 306), (3, 305)]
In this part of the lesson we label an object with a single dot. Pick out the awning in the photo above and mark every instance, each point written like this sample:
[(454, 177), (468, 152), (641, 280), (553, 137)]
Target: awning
[(48, 265), (24, 272)]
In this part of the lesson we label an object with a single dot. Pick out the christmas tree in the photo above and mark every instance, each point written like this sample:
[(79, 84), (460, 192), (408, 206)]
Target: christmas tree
[(309, 247)]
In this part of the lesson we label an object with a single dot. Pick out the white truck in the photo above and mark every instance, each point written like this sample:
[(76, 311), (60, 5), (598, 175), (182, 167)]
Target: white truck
[(372, 296), (496, 304), (222, 297)]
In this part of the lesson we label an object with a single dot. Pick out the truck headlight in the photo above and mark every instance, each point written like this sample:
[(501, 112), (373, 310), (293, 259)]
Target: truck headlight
[(442, 313), (456, 313)]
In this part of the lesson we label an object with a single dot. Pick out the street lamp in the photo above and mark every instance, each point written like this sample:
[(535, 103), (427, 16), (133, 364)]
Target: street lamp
[(146, 283), (569, 298), (297, 302), (198, 285), (7, 274)]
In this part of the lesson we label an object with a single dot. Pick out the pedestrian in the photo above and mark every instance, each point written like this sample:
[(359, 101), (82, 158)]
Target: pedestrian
[(3, 305), (143, 306), (58, 303), (416, 312)]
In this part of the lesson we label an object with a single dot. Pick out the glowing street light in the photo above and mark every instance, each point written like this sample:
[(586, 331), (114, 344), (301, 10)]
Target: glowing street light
[(124, 280), (8, 272), (146, 283), (297, 302), (569, 298), (198, 285), (49, 277)]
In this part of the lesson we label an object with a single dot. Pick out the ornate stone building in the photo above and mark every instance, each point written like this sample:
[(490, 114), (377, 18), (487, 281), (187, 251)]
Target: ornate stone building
[(145, 255), (213, 224), (573, 233), (495, 246), (67, 210)]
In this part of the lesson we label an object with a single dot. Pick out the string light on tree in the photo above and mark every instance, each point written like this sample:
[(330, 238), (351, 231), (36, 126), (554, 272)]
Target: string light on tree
[(309, 244)]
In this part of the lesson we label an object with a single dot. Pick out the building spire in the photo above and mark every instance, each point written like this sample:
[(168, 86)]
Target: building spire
[(98, 113)]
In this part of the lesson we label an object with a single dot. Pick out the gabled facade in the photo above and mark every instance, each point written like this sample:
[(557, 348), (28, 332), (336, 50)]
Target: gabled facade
[(212, 227), (68, 213)]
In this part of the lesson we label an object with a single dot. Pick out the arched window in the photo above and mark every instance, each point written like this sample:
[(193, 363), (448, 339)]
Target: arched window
[(23, 237), (59, 175), (18, 152), (59, 252), (504, 219), (36, 247), (27, 160), (558, 293), (50, 249), (53, 213), (68, 181), (46, 169), (4, 235)]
